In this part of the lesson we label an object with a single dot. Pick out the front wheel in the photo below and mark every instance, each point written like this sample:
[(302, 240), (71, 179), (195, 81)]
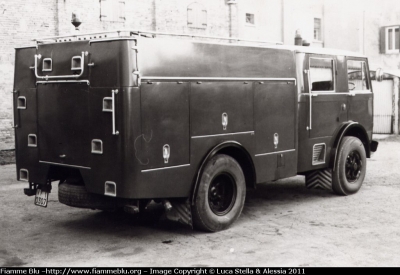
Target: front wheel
[(351, 165), (220, 195)]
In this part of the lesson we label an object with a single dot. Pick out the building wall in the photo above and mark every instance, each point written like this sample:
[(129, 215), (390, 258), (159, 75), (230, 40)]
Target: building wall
[(343, 28), (357, 28), (139, 15), (379, 14), (19, 24), (268, 24), (299, 15), (149, 15)]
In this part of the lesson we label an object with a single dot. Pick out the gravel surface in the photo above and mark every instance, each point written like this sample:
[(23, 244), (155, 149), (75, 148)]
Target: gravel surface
[(282, 224)]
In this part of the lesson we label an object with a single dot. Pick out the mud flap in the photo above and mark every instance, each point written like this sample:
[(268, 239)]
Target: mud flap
[(319, 179), (180, 212), (373, 146)]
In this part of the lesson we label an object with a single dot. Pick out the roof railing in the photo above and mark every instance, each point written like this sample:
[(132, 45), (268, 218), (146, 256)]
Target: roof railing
[(124, 33)]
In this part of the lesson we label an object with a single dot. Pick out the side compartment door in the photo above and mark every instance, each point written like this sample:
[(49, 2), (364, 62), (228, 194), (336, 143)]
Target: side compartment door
[(275, 120), (274, 116), (361, 100), (165, 124), (219, 108)]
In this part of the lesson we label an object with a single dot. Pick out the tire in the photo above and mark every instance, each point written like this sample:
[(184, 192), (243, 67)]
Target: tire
[(351, 166), (78, 196), (220, 195)]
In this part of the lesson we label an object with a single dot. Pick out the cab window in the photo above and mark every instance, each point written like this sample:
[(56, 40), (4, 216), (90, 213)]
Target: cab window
[(322, 76), (357, 75)]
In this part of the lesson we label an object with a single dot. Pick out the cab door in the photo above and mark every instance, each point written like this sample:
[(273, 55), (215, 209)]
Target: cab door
[(360, 100), (327, 99)]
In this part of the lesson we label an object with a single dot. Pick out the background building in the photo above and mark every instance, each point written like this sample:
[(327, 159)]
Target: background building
[(370, 27)]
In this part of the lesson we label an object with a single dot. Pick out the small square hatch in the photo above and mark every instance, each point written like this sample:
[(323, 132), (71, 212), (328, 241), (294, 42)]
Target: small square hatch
[(32, 140), (107, 104), (76, 63), (110, 189), (21, 102), (97, 146), (47, 65), (23, 175)]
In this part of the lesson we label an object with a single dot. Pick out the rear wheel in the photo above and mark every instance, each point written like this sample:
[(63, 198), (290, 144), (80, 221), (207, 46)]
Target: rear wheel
[(220, 195), (351, 167)]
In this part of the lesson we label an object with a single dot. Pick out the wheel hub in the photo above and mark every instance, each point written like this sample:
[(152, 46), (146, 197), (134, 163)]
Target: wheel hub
[(353, 166), (222, 194)]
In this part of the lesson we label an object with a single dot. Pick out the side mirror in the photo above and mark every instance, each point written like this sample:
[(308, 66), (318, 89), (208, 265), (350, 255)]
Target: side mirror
[(379, 75)]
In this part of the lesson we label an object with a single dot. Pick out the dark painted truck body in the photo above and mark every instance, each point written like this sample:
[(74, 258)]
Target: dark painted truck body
[(133, 119)]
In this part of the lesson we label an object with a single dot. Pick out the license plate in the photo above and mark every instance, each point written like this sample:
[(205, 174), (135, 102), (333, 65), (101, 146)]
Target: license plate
[(41, 198)]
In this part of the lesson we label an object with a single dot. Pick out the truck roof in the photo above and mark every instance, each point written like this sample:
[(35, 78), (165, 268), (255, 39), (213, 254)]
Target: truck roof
[(314, 50), (118, 34)]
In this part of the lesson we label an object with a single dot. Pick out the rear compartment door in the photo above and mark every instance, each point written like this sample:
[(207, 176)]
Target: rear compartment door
[(63, 130)]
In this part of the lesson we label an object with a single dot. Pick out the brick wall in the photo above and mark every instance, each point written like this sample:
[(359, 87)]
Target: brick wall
[(152, 15), (20, 22)]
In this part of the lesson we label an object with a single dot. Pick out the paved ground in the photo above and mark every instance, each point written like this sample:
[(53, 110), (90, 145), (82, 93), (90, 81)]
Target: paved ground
[(283, 224)]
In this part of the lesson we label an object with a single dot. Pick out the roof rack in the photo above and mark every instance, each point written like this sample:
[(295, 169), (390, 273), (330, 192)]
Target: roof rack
[(124, 33)]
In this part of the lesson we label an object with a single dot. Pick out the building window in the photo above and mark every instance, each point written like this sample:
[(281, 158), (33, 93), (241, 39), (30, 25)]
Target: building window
[(112, 10), (390, 40), (250, 19), (317, 29), (196, 16)]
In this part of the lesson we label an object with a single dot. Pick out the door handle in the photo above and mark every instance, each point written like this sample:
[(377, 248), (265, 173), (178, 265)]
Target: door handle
[(310, 98), (114, 92)]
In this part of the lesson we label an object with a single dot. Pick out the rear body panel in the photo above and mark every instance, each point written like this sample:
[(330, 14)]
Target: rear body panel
[(63, 128)]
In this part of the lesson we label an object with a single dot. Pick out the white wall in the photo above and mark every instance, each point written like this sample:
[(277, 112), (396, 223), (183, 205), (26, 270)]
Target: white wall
[(268, 19)]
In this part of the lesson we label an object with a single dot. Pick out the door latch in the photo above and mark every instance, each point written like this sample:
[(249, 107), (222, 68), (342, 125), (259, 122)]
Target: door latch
[(276, 140), (166, 152), (224, 120)]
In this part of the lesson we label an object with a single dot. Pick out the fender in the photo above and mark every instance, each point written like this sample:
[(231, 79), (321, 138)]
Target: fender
[(214, 151), (353, 129)]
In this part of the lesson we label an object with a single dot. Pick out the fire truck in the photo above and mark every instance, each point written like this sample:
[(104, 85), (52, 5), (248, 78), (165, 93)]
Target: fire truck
[(123, 119)]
